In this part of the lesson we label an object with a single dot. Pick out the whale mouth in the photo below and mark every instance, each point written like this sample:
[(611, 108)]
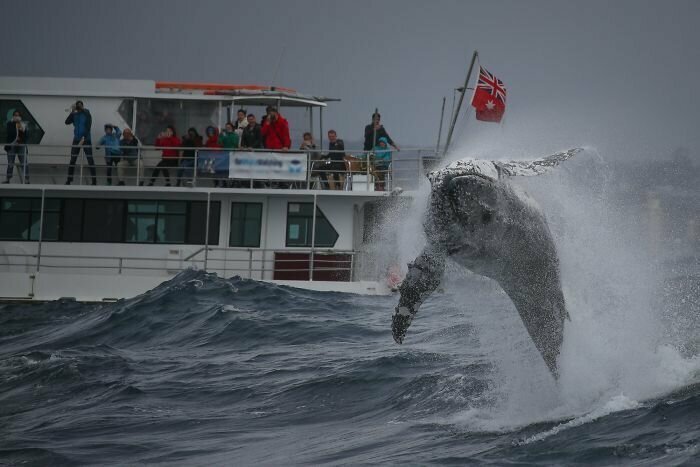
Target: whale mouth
[(466, 249)]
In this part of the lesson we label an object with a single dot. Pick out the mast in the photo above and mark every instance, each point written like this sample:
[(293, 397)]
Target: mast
[(461, 98)]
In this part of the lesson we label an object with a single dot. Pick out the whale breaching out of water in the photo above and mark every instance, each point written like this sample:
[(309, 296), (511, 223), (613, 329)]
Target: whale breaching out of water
[(476, 219)]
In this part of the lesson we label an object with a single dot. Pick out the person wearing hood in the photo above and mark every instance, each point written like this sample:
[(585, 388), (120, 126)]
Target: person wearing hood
[(16, 132), (275, 131), (81, 120), (192, 140), (110, 141), (382, 162)]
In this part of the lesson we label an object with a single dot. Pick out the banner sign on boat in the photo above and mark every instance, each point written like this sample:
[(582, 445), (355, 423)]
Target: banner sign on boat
[(267, 165)]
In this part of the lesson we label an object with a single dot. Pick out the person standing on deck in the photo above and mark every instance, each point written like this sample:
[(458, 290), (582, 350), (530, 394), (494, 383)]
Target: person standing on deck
[(275, 131), (16, 146), (252, 138), (228, 139), (192, 140), (169, 141), (110, 141), (374, 131), (129, 146), (240, 124), (81, 120)]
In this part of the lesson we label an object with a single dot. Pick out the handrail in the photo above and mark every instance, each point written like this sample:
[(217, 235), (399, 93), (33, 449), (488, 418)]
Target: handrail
[(256, 261), (199, 165)]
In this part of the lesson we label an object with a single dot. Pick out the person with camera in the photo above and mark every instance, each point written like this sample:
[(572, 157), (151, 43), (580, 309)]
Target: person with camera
[(81, 120), (169, 142), (16, 146), (110, 141), (275, 131)]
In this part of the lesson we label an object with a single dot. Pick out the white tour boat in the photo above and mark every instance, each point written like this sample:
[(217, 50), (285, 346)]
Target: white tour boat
[(275, 220)]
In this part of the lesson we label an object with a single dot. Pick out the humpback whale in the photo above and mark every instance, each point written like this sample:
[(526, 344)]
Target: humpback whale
[(479, 221)]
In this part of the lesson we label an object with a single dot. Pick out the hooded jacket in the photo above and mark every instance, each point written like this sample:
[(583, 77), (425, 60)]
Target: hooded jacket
[(276, 134), (82, 123), (111, 142), (212, 138), (382, 155)]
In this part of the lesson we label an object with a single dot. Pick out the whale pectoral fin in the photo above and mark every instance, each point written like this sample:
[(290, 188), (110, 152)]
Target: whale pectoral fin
[(534, 167), (424, 276)]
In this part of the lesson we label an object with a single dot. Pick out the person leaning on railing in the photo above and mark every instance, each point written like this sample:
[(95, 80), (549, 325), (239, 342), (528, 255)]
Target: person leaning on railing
[(16, 146), (169, 141), (382, 161), (252, 136), (129, 146)]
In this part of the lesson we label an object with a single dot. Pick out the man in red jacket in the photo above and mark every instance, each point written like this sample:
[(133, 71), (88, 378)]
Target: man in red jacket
[(275, 131)]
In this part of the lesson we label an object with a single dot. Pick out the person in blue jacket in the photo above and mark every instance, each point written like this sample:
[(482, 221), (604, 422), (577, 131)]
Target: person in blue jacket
[(81, 120), (110, 141)]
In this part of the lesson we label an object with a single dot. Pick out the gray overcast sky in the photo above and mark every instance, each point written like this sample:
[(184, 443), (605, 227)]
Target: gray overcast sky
[(620, 76)]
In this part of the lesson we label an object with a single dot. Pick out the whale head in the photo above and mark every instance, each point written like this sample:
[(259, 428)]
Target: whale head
[(473, 206)]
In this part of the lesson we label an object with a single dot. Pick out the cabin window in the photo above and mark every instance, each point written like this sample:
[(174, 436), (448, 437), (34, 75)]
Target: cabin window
[(156, 221), (171, 222), (246, 223), (153, 115), (19, 219), (103, 220), (126, 111), (197, 222), (7, 107), (299, 225)]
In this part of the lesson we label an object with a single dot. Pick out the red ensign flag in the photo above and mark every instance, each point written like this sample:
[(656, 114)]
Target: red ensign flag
[(489, 97)]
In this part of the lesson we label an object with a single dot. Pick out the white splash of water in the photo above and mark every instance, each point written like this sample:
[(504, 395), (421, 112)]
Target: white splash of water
[(614, 343)]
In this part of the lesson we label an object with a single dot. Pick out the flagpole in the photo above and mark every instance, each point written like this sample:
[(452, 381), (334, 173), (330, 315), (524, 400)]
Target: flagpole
[(459, 105)]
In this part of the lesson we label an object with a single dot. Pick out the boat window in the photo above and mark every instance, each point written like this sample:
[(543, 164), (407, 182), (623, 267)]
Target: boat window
[(19, 218), (126, 111), (153, 115), (7, 107), (109, 220), (197, 225), (246, 223), (103, 220), (156, 221), (299, 222)]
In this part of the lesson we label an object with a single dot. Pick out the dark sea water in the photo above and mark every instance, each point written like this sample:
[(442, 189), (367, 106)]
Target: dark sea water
[(207, 371)]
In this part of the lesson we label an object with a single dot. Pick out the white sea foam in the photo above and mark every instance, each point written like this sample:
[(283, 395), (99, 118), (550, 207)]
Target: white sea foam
[(616, 404)]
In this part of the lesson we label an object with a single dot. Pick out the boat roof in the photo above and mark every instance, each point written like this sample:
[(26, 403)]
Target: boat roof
[(251, 94)]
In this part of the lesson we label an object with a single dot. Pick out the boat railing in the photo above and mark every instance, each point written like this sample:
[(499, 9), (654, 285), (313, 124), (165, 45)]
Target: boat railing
[(310, 169), (248, 263)]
